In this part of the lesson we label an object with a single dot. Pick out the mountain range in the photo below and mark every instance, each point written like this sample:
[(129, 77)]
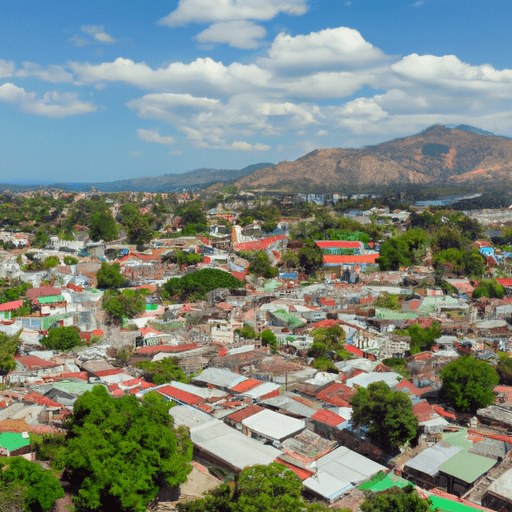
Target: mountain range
[(461, 156), (440, 156)]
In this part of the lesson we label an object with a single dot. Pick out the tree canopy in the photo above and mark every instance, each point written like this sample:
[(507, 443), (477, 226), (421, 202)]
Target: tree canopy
[(62, 338), (128, 303), (109, 276), (8, 348), (468, 384), (102, 226), (195, 285), (120, 450), (396, 500), (162, 371), (273, 488), (28, 484), (387, 414)]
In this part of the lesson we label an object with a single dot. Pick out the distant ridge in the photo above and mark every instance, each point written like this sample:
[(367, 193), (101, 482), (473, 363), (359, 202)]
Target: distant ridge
[(462, 156), (197, 178)]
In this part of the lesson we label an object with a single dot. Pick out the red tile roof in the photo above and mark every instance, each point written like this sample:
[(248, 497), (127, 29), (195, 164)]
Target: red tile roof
[(36, 398), (348, 259), (238, 275), (33, 362), (43, 291), (241, 415), (423, 411), (337, 394), (9, 306), (180, 395), (258, 245), (155, 349), (339, 244), (110, 371), (506, 282), (354, 350), (328, 417), (300, 472), (444, 413), (72, 375), (246, 385)]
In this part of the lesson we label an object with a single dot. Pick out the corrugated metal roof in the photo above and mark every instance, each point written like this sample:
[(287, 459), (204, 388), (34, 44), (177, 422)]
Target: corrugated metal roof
[(273, 425), (467, 466), (218, 377), (429, 460), (261, 390)]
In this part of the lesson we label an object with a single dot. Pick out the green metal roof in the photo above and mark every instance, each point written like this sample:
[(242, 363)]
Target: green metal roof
[(381, 482), (271, 285), (389, 314), (51, 299), (73, 387), (466, 466), (459, 438), (291, 320), (13, 440)]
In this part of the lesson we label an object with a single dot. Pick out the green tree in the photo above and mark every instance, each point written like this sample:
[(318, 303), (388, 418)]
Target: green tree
[(120, 450), (8, 348), (102, 226), (162, 371), (396, 500), (310, 257), (196, 284), (50, 262), (219, 499), (260, 265), (69, 260), (41, 239), (504, 368), (387, 414), (489, 288), (127, 303), (39, 487), (468, 384), (62, 338), (109, 276), (388, 301), (269, 338)]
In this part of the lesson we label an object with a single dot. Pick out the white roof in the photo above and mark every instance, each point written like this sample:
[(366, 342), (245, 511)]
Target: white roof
[(273, 425), (235, 448), (429, 460), (365, 379), (503, 485), (218, 377), (195, 390), (261, 390), (339, 471)]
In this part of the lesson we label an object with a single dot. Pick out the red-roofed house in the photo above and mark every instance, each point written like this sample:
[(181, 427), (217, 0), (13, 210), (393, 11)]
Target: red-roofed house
[(11, 306), (34, 362), (337, 394), (424, 411), (178, 395), (328, 417), (242, 414), (36, 398), (246, 385)]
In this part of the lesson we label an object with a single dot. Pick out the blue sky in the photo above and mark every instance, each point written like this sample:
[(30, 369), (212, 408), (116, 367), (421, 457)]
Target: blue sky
[(116, 90)]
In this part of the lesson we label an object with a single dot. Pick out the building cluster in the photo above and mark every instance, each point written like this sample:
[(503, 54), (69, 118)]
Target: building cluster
[(247, 403)]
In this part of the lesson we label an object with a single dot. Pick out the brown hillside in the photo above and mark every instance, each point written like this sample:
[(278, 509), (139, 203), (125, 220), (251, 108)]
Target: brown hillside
[(438, 155)]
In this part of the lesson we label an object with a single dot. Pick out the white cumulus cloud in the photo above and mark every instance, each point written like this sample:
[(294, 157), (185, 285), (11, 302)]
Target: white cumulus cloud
[(240, 145), (98, 33), (51, 104), (154, 136), (53, 73), (208, 11), (330, 47), (6, 68), (238, 34)]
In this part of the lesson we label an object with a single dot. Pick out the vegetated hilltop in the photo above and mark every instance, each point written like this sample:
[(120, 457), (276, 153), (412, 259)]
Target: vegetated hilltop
[(198, 178), (460, 156)]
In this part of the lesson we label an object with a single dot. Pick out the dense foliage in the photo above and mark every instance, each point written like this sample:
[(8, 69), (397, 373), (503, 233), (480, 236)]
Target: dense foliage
[(8, 348), (29, 484), (422, 338), (109, 276), (261, 265), (269, 488), (62, 338), (103, 226), (126, 303), (468, 384), (387, 414), (162, 371), (396, 500), (195, 285), (489, 288), (120, 450)]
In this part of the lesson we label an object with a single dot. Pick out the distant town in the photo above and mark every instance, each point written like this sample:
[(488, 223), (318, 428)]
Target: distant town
[(344, 345)]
